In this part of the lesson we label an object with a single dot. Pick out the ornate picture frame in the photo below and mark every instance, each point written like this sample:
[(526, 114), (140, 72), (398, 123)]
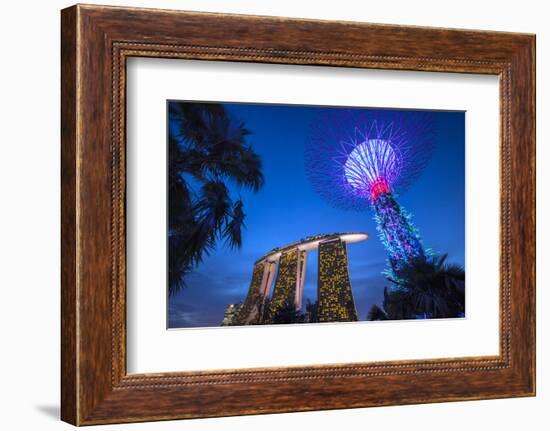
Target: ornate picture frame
[(96, 41)]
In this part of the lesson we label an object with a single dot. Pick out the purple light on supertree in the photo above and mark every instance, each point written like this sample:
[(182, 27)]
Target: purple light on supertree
[(358, 159)]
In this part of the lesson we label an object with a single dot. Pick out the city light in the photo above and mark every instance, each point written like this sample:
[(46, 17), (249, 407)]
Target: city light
[(363, 159)]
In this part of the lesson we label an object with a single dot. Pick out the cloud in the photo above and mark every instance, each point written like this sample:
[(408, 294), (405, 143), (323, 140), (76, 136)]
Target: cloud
[(178, 318), (220, 282), (182, 315)]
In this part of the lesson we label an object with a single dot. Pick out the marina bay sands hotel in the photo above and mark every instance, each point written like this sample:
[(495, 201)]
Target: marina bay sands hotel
[(287, 266)]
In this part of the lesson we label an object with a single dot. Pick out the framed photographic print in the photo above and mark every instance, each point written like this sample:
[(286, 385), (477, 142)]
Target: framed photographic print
[(257, 208)]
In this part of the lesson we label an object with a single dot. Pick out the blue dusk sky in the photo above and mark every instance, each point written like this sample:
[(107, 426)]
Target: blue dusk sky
[(287, 209)]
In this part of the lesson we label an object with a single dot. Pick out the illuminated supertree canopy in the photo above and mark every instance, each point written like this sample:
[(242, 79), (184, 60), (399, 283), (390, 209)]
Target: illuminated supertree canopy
[(359, 159)]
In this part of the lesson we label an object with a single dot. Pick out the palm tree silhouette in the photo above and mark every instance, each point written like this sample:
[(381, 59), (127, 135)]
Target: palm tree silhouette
[(427, 288), (207, 153)]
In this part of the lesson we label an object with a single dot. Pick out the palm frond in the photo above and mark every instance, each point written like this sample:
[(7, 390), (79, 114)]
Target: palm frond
[(234, 226), (206, 148)]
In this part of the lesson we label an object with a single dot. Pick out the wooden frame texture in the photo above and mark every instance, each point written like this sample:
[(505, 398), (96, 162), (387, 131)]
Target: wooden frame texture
[(95, 43)]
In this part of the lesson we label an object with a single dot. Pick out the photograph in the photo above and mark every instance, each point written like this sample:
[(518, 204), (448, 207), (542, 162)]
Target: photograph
[(299, 214), (275, 215)]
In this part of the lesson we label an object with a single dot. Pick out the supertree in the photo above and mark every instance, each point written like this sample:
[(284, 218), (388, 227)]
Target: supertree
[(362, 158)]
